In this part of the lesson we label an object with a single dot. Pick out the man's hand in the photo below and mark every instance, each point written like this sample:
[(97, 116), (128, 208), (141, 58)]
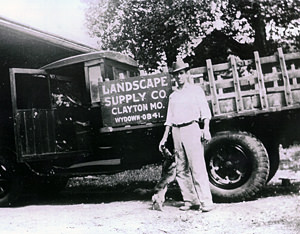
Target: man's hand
[(162, 143), (206, 136), (164, 138)]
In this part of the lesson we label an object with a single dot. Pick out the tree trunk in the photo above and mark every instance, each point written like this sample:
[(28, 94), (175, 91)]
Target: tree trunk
[(260, 39)]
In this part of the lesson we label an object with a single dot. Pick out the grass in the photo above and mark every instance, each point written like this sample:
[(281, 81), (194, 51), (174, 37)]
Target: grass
[(149, 175), (290, 158)]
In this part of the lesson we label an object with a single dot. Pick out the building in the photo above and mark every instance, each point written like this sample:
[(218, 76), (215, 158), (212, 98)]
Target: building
[(26, 47)]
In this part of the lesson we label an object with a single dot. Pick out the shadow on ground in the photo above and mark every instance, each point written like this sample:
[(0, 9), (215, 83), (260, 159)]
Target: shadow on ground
[(87, 194)]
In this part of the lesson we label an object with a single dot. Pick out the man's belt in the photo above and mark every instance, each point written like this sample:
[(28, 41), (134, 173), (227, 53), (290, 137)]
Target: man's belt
[(184, 124)]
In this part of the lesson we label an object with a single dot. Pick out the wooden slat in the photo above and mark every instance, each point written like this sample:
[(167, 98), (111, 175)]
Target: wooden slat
[(223, 84), (40, 132), (198, 70), (248, 80), (213, 90), (226, 95), (232, 94), (268, 59), (26, 130), (236, 84), (292, 56), (34, 130), (28, 134), (275, 89), (251, 92), (291, 74), (274, 76), (228, 83), (28, 71), (221, 67), (261, 83), (295, 86), (285, 76), (52, 131), (220, 90), (47, 131), (18, 119)]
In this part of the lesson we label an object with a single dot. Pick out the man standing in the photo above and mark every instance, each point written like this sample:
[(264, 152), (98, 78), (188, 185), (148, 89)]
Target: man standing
[(188, 106)]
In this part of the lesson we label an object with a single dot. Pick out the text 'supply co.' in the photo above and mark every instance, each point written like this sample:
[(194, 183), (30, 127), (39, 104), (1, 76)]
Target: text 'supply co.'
[(139, 96), (137, 85)]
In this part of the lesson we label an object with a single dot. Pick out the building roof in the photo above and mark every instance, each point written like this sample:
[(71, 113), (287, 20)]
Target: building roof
[(24, 46)]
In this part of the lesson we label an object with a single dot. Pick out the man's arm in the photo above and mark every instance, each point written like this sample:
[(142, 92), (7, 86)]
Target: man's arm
[(205, 114), (165, 137), (206, 132)]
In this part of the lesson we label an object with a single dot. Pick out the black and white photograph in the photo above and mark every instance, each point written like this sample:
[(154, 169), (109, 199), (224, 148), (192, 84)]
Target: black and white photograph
[(150, 116)]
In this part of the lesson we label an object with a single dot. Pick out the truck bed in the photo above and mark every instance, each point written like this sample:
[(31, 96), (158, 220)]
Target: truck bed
[(238, 88), (269, 84)]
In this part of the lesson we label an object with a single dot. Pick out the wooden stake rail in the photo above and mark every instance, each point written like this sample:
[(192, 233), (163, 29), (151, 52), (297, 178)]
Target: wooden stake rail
[(272, 84)]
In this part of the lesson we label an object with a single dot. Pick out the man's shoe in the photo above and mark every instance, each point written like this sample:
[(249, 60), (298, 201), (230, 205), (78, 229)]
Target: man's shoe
[(207, 208), (189, 207), (157, 206), (157, 203)]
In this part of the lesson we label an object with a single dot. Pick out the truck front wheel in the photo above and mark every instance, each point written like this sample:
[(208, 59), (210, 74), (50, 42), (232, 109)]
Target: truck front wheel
[(10, 182), (237, 165)]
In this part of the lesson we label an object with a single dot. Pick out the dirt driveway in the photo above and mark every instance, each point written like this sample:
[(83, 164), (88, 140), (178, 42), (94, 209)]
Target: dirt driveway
[(83, 210)]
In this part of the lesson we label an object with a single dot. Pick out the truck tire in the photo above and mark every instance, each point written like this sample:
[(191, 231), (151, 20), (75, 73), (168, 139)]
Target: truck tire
[(237, 165), (10, 181)]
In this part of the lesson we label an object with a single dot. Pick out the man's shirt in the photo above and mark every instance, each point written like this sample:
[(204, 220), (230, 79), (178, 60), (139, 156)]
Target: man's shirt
[(187, 104)]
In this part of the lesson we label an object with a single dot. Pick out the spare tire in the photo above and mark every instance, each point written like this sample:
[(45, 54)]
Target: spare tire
[(237, 165)]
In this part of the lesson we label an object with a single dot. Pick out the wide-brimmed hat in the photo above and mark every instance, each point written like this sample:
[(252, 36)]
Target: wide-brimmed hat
[(179, 65)]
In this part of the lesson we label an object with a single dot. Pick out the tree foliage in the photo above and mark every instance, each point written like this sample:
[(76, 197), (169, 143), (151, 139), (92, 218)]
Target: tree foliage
[(265, 23), (151, 30), (158, 30)]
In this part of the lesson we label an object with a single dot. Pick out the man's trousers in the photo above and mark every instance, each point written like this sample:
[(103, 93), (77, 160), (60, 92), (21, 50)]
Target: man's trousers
[(191, 170)]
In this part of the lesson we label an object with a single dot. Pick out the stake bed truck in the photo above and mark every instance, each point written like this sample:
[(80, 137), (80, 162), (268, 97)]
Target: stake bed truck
[(93, 114)]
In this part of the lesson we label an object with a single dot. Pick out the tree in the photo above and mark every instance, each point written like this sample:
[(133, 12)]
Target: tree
[(266, 23), (151, 30), (154, 31)]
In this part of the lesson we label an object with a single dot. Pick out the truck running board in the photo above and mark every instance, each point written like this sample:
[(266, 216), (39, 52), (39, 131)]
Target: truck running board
[(109, 162)]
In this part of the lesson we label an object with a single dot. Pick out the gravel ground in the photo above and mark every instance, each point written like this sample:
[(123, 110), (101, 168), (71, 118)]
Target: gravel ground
[(86, 208)]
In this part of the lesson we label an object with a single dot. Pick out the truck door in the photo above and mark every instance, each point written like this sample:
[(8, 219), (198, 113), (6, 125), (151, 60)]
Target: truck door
[(42, 129)]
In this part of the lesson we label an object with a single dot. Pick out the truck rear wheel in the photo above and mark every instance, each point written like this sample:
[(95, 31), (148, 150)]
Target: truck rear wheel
[(10, 182), (237, 165)]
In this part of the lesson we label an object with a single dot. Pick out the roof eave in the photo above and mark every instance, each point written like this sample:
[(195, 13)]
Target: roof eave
[(50, 38)]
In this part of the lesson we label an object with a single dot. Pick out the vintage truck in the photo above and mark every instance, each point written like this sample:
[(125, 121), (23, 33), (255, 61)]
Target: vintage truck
[(94, 114)]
